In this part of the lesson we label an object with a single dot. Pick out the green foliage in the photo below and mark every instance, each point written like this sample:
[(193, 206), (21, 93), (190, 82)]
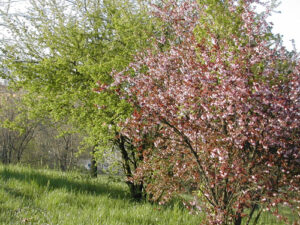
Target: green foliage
[(65, 51)]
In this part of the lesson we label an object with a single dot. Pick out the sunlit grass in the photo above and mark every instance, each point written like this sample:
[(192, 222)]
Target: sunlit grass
[(30, 196)]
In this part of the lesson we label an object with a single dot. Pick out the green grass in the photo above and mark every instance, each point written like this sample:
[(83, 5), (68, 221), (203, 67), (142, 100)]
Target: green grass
[(269, 219), (31, 196)]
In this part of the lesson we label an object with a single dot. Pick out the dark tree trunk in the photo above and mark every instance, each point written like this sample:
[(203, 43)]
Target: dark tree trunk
[(19, 155), (9, 158), (238, 220), (63, 167), (4, 155), (93, 164), (136, 190)]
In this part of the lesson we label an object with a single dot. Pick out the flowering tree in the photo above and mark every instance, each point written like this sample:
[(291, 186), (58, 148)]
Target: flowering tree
[(219, 107)]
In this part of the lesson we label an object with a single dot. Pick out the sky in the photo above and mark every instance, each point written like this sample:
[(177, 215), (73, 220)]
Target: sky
[(287, 22)]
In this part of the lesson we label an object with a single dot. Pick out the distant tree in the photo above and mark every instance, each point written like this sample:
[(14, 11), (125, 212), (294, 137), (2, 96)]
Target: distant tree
[(220, 110), (16, 129), (57, 145)]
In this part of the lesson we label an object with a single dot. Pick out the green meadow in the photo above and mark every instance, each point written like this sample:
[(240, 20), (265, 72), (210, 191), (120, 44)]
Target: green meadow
[(40, 196)]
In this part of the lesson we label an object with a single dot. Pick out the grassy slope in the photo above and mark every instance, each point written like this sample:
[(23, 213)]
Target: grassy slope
[(29, 196)]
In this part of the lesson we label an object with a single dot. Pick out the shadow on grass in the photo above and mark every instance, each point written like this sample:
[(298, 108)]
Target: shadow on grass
[(18, 194), (52, 183)]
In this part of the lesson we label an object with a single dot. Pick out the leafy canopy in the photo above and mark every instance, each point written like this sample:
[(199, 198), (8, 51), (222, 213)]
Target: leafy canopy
[(65, 50)]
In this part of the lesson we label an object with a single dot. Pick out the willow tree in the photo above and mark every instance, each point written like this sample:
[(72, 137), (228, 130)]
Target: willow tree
[(63, 50)]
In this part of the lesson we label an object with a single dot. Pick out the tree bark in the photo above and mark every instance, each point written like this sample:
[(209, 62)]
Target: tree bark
[(93, 164), (136, 190), (238, 220)]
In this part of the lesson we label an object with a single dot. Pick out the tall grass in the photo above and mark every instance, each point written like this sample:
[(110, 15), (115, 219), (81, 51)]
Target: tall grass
[(31, 196)]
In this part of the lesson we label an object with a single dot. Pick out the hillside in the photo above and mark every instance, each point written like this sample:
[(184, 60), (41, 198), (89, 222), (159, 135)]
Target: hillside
[(30, 196)]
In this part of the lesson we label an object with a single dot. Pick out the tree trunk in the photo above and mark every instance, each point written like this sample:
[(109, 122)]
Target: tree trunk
[(4, 155), (238, 220), (136, 190), (93, 164)]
